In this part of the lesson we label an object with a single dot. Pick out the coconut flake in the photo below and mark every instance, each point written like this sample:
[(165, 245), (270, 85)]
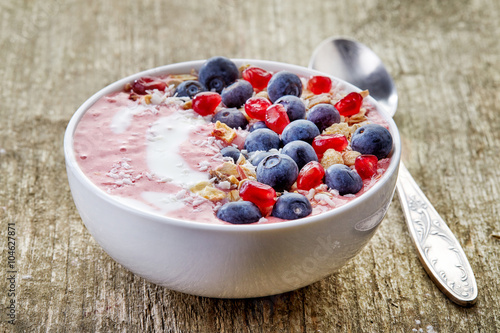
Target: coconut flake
[(224, 185)]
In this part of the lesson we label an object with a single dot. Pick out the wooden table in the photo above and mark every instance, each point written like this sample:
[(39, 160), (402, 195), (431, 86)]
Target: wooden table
[(445, 57)]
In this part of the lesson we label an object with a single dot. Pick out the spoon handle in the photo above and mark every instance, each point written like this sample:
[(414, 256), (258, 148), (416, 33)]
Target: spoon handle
[(438, 249)]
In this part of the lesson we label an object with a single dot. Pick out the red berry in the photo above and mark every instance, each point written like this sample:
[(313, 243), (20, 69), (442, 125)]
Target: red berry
[(257, 77), (256, 107), (319, 84), (262, 195), (147, 83), (205, 103), (349, 105), (366, 165), (277, 118), (323, 142), (310, 176)]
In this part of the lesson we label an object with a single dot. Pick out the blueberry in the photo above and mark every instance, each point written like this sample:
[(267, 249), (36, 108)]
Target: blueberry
[(217, 73), (257, 157), (302, 129), (233, 118), (278, 171), (284, 83), (343, 179), (294, 107), (323, 115), (239, 212), (301, 152), (257, 125), (372, 139), (232, 152), (262, 139), (189, 88), (291, 206), (237, 94)]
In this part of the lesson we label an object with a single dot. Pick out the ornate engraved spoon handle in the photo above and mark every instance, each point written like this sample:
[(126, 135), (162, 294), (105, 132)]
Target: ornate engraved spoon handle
[(438, 249)]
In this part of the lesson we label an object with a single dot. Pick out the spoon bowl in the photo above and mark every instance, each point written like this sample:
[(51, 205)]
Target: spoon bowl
[(356, 63)]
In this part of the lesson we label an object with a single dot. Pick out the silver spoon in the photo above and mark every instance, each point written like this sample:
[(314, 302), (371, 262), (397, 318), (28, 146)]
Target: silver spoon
[(438, 249)]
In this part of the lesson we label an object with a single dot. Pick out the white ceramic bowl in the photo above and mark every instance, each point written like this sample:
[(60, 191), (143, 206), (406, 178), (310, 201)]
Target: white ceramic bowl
[(228, 261)]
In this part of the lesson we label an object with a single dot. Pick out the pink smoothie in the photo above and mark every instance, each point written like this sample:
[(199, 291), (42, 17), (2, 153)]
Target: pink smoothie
[(149, 151)]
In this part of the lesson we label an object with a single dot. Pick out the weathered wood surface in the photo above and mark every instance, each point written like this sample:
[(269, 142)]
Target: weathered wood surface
[(445, 56)]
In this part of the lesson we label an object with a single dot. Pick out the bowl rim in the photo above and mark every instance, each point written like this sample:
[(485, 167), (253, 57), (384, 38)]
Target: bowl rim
[(178, 68)]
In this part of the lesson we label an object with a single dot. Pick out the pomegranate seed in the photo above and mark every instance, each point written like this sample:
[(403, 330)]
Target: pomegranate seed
[(147, 83), (319, 84), (256, 107), (349, 105), (310, 176), (257, 77), (277, 118), (205, 103), (262, 195), (366, 165), (322, 143)]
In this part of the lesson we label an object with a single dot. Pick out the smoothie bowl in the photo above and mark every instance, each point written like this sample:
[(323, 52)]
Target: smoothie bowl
[(232, 178)]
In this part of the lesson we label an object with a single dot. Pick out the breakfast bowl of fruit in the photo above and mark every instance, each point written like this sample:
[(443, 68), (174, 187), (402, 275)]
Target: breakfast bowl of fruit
[(232, 178)]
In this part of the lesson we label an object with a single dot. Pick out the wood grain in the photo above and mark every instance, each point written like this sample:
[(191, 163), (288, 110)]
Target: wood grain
[(445, 57)]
